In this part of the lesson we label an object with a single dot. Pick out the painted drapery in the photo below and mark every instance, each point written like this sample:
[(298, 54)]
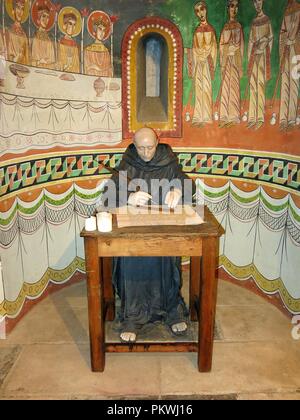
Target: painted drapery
[(262, 241), (55, 109)]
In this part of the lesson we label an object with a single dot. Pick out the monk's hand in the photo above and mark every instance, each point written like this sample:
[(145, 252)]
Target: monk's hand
[(139, 198), (172, 198)]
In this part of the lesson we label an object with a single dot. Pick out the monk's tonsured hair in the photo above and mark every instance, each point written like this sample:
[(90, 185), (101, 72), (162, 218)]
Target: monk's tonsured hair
[(69, 16)]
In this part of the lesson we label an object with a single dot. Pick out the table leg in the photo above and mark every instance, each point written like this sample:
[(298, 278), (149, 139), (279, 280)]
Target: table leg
[(208, 300), (109, 294), (195, 278), (95, 304)]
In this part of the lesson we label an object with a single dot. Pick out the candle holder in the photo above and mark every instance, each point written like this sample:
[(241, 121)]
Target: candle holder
[(91, 224), (104, 222)]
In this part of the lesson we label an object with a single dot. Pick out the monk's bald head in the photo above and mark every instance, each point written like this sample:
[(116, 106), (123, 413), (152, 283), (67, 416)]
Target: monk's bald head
[(145, 141)]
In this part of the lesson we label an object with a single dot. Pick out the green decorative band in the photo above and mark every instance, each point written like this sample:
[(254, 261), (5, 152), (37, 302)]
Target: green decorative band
[(11, 309), (37, 171), (268, 286), (33, 291)]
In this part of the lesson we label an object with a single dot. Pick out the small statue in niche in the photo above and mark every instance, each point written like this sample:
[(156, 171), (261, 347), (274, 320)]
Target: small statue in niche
[(70, 23), (43, 52), (97, 59), (259, 65), (202, 67), (231, 59), (289, 47), (17, 41)]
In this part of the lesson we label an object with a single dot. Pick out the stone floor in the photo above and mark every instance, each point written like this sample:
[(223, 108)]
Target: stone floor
[(255, 357)]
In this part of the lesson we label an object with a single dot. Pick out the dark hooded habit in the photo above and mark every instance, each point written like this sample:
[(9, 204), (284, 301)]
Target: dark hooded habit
[(149, 287)]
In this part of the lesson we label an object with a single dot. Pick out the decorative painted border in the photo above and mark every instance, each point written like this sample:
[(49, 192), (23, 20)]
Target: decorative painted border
[(27, 217), (277, 215), (39, 170), (269, 287), (33, 291), (172, 35), (12, 309)]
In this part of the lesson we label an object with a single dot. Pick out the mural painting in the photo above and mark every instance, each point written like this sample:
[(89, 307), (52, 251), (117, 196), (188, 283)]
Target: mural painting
[(289, 49), (42, 50), (17, 40), (62, 50), (97, 57), (259, 65), (204, 59), (62, 101), (70, 24), (232, 47)]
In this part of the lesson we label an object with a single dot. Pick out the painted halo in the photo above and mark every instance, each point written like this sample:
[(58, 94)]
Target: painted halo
[(94, 16), (10, 9), (35, 9), (65, 11)]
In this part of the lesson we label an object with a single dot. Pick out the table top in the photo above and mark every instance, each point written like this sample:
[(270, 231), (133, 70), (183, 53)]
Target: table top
[(210, 227)]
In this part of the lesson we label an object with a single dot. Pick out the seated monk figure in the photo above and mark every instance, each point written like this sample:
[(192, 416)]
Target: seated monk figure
[(149, 287)]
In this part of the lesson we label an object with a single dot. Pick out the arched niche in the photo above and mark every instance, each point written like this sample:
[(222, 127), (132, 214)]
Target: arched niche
[(152, 62)]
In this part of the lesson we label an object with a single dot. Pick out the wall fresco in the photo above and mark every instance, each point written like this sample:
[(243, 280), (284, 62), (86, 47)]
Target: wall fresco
[(61, 111), (271, 170)]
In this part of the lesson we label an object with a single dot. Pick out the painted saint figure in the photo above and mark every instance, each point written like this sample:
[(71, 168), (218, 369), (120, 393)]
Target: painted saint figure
[(18, 46), (259, 64), (97, 60), (204, 54), (289, 47), (69, 21), (43, 53), (231, 59)]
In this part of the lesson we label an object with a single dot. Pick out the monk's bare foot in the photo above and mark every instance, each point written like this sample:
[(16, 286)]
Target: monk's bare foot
[(128, 337), (179, 328)]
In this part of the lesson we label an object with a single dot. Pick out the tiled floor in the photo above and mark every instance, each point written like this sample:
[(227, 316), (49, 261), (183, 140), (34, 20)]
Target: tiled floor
[(47, 356)]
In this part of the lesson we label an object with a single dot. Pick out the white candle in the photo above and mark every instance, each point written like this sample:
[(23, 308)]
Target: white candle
[(104, 222), (90, 224)]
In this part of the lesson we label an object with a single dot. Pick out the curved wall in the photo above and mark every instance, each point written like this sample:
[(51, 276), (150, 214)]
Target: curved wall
[(55, 132)]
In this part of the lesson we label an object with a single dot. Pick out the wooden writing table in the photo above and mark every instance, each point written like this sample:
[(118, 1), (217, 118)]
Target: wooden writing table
[(200, 242)]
